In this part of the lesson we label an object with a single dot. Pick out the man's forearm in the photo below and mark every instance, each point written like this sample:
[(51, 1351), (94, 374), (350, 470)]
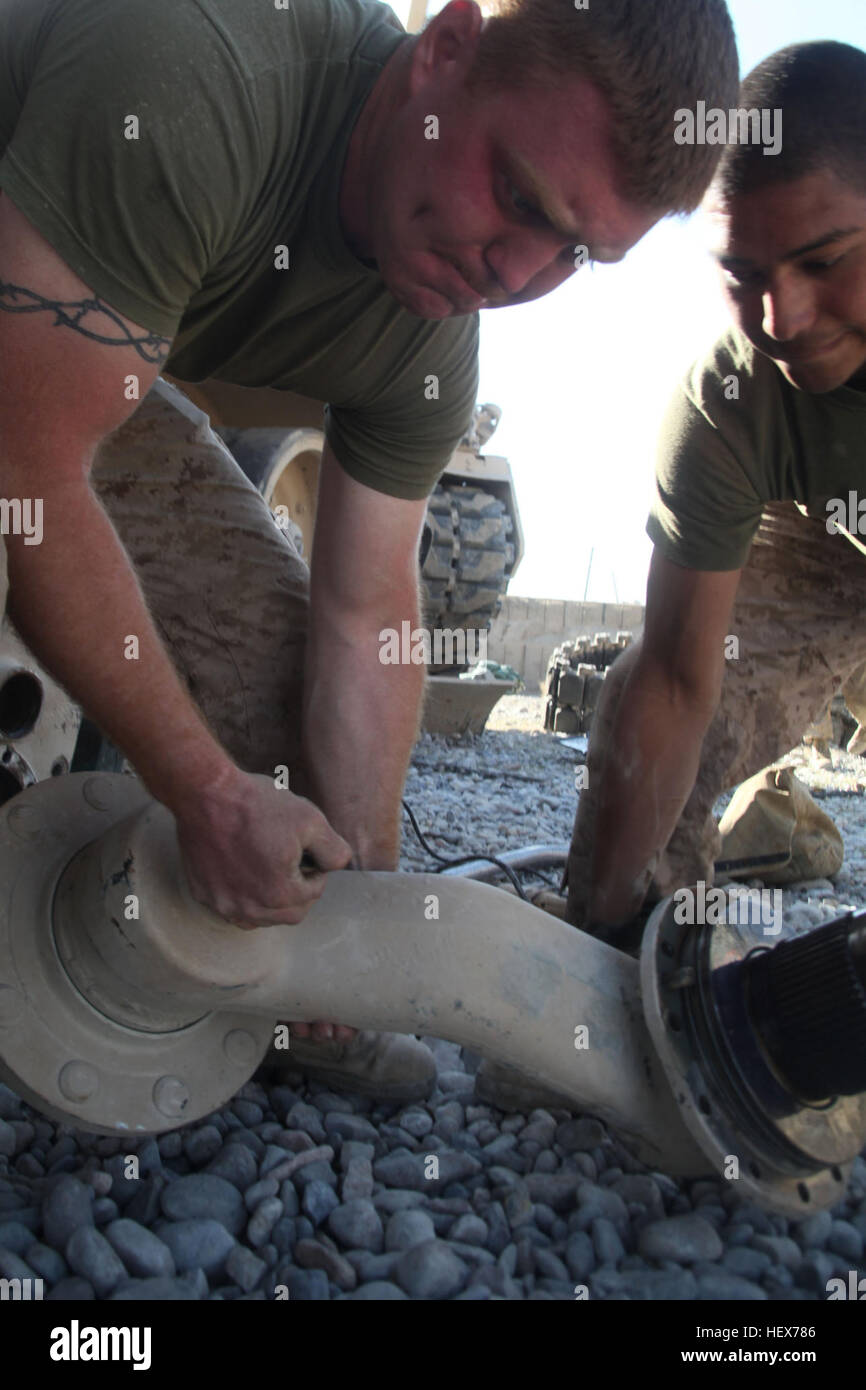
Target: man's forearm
[(648, 776), (360, 723), (76, 602)]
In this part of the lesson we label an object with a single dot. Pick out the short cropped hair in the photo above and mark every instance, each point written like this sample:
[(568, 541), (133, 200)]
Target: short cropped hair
[(648, 58), (820, 88)]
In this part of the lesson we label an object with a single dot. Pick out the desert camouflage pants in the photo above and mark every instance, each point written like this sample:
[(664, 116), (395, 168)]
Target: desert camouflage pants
[(226, 589), (800, 619)]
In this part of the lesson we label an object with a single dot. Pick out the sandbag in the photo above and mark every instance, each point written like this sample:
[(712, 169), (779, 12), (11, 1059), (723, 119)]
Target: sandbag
[(774, 814)]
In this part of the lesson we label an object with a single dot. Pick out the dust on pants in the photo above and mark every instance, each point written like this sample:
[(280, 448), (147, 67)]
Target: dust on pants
[(227, 591), (799, 620)]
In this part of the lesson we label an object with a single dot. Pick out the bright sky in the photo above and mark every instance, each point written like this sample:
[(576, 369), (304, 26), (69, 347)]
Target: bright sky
[(585, 375)]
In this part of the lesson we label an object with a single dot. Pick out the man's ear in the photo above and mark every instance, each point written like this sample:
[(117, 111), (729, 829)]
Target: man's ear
[(451, 38)]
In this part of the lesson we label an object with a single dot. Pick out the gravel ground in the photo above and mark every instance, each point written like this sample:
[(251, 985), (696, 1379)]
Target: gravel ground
[(293, 1189)]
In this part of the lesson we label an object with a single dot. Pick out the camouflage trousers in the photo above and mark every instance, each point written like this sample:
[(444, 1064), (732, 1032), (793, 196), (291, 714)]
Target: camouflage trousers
[(226, 589), (800, 624)]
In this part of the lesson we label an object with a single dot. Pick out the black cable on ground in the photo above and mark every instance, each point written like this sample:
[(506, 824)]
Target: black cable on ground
[(447, 863)]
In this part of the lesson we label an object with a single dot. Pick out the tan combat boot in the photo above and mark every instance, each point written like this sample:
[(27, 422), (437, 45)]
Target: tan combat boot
[(384, 1066)]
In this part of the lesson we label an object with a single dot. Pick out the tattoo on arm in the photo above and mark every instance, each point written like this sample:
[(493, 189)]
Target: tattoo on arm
[(76, 314)]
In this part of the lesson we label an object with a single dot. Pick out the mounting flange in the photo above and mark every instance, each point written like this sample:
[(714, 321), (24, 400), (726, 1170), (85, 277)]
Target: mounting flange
[(56, 1050)]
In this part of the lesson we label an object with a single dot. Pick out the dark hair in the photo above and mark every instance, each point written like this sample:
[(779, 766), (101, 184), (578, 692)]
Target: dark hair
[(648, 58), (820, 89)]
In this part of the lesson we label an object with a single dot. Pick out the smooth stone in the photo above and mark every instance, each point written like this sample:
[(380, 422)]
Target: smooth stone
[(456, 1083), (248, 1112), (739, 1235), (49, 1264), (327, 1102), (289, 1198), (354, 1127), (202, 1145), (205, 1195), (357, 1226), (284, 1235), (636, 1187), (408, 1228), (815, 1271), (498, 1229), (518, 1207), (580, 1256), (351, 1150), (105, 1210), (469, 1229), (844, 1240), (378, 1291), (264, 1218), (311, 1254), (319, 1170), (144, 1254), (12, 1266), (397, 1199), (749, 1264), (272, 1157), (358, 1180), (10, 1104), (318, 1201), (559, 1191), (780, 1249), (90, 1255), (545, 1162), (307, 1118), (649, 1286), (66, 1207), (682, 1238), (416, 1122), (8, 1139), (728, 1288), (431, 1270), (266, 1187), (144, 1204), (235, 1164), (71, 1290), (156, 1290), (244, 1268), (372, 1267), (815, 1230), (489, 1281), (609, 1247), (197, 1242), (550, 1265), (15, 1236), (306, 1285)]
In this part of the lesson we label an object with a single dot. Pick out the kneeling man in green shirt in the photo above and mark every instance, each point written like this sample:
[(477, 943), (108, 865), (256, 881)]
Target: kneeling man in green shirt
[(757, 591)]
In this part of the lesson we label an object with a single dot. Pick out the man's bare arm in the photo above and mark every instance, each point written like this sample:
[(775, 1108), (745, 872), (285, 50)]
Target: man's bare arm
[(64, 365), (361, 716), (665, 709)]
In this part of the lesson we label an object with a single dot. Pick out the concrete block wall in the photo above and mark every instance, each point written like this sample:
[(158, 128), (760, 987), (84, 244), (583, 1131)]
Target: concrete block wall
[(528, 629)]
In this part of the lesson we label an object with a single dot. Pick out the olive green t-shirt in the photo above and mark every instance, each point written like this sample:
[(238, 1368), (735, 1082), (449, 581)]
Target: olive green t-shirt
[(737, 435), (184, 157)]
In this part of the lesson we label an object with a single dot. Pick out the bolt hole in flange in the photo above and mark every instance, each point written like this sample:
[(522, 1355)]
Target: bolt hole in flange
[(20, 704)]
